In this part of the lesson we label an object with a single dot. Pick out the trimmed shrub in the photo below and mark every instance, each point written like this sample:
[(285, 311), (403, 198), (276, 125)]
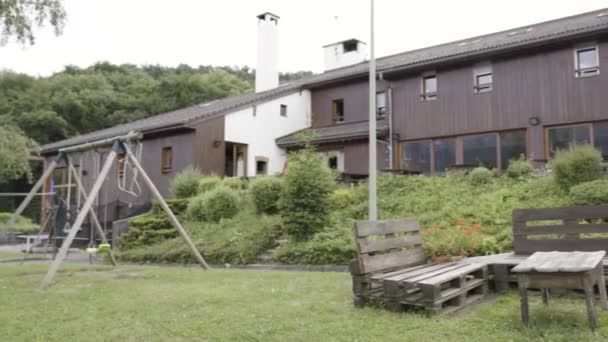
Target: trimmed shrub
[(304, 203), (480, 175), (214, 205), (208, 183), (266, 192), (342, 198), (579, 164), (147, 230), (594, 192), (234, 183), (22, 224), (186, 183), (519, 168), (177, 205)]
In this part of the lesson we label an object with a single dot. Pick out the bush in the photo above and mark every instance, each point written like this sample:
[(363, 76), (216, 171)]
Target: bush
[(186, 183), (342, 198), (332, 247), (147, 230), (304, 203), (177, 205), (579, 164), (519, 168), (594, 192), (214, 205), (266, 192), (208, 183), (480, 175), (234, 183), (22, 224)]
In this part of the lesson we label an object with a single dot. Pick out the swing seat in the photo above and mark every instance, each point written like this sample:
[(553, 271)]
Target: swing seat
[(103, 248)]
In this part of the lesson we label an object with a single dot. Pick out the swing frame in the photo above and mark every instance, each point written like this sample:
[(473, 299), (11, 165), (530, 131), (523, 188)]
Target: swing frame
[(119, 145)]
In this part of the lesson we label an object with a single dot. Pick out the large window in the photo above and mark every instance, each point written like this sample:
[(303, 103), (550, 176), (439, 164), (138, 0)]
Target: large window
[(600, 138), (561, 138), (337, 111), (417, 156), (512, 146), (482, 77), (586, 61), (445, 154), (429, 87), (480, 150)]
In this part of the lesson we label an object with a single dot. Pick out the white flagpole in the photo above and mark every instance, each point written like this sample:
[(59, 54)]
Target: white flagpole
[(373, 210)]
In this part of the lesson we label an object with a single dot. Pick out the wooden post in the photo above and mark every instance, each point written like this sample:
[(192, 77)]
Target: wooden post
[(589, 298), (91, 211), (523, 298), (165, 207), (79, 220), (26, 201), (601, 284)]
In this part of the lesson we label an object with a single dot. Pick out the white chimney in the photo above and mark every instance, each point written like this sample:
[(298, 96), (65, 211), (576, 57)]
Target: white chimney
[(267, 69), (344, 53)]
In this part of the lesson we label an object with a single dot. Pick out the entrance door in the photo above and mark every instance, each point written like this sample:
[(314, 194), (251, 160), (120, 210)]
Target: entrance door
[(236, 160)]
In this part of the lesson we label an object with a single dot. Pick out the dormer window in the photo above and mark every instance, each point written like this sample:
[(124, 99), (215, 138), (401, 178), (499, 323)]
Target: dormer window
[(429, 87), (350, 45), (586, 61)]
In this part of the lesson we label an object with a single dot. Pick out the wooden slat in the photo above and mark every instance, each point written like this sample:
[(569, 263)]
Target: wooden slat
[(430, 269), (447, 276), (380, 262), (368, 246), (563, 213), (417, 279), (560, 262), (561, 229), (381, 276), (529, 246), (367, 228)]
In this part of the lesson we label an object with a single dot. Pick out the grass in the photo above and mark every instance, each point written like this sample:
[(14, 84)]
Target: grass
[(137, 303), (10, 255)]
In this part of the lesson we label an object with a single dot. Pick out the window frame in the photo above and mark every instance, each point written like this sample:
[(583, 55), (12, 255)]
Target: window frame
[(589, 126), (424, 94), (586, 72), (166, 159), (283, 112), (334, 111), (381, 113), (120, 164), (480, 70)]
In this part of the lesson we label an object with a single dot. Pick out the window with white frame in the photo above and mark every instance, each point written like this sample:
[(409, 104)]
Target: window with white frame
[(482, 74), (586, 60), (381, 105)]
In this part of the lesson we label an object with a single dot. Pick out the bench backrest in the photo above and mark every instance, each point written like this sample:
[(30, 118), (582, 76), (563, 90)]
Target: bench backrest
[(387, 244), (580, 228)]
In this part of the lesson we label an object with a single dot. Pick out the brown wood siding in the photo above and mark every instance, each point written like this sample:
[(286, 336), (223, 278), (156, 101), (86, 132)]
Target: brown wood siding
[(210, 158), (537, 83), (356, 158), (356, 103), (540, 84)]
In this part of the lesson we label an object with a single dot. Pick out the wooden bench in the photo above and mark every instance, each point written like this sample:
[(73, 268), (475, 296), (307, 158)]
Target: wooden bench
[(392, 267), (565, 229)]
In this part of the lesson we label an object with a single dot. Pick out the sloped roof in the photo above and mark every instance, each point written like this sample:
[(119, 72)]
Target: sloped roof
[(337, 133), (518, 38)]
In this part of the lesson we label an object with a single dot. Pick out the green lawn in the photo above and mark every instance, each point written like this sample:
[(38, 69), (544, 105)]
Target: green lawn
[(10, 255), (134, 303)]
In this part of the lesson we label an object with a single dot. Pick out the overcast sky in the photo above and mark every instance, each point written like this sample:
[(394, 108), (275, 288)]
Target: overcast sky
[(223, 32)]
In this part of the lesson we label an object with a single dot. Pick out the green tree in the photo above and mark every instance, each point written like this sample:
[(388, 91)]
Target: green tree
[(45, 125), (19, 17), (14, 152)]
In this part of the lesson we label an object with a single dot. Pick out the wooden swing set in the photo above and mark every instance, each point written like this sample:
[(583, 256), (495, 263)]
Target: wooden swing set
[(118, 145)]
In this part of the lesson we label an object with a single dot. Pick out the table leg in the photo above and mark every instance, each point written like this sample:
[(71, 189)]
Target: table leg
[(601, 284), (589, 297), (523, 300), (545, 294)]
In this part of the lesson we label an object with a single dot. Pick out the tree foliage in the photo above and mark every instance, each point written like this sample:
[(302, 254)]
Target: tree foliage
[(14, 152), (81, 100), (18, 18)]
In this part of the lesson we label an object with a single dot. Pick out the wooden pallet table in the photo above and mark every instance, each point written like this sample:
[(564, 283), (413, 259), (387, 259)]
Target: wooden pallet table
[(568, 270)]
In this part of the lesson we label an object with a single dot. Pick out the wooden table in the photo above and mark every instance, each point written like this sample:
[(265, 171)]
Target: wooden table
[(568, 270)]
